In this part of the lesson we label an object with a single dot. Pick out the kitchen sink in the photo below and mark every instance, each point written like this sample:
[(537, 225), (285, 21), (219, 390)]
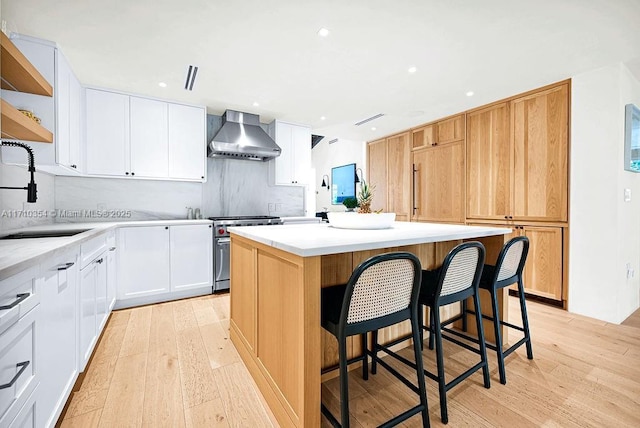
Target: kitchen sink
[(44, 234)]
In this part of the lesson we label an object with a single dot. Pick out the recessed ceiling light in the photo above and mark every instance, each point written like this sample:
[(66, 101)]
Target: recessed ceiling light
[(412, 69), (470, 93), (256, 104), (323, 32), (373, 128), (162, 85), (322, 118)]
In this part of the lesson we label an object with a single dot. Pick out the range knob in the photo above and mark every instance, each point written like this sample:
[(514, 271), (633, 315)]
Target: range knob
[(221, 231)]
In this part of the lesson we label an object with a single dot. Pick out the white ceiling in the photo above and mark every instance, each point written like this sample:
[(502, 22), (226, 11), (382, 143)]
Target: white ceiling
[(269, 52)]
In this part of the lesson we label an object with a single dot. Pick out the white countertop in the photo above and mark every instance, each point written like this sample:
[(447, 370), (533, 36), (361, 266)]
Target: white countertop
[(19, 254), (319, 239)]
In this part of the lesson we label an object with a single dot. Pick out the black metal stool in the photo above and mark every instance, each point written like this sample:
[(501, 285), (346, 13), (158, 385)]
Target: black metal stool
[(508, 270), (382, 291), (456, 280)]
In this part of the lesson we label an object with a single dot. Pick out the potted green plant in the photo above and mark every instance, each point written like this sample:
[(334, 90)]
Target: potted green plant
[(350, 203)]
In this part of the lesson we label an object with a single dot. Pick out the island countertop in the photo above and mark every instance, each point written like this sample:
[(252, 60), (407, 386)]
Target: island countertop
[(307, 240)]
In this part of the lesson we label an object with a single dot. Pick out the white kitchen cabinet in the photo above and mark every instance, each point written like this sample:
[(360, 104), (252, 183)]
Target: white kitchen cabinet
[(68, 95), (61, 114), (187, 142), (20, 325), (130, 136), (293, 165), (107, 133), (143, 261), (92, 300), (161, 263), (112, 271), (191, 256), (57, 353), (149, 138)]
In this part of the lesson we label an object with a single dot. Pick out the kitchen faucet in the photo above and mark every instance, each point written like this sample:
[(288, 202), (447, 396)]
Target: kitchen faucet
[(31, 186)]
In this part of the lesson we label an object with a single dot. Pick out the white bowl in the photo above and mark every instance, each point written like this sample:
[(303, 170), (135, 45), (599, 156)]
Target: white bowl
[(353, 220)]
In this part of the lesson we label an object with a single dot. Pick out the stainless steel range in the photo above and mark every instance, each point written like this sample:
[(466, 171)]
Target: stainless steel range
[(221, 244)]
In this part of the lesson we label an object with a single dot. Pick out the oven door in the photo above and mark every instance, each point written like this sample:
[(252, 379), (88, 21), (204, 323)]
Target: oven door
[(222, 262)]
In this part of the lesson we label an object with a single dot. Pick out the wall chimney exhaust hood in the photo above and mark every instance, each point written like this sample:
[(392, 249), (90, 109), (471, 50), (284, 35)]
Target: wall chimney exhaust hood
[(241, 137)]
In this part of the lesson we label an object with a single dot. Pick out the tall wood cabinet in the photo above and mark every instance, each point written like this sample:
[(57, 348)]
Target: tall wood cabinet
[(438, 171), (503, 164), (388, 162), (540, 131)]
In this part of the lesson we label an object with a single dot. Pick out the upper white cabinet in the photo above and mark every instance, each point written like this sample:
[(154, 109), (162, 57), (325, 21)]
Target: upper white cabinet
[(187, 142), (149, 138), (61, 114), (293, 165), (107, 125), (129, 136), (68, 97)]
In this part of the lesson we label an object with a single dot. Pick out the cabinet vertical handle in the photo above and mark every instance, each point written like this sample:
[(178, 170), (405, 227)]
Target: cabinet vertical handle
[(415, 208), (20, 298), (23, 366)]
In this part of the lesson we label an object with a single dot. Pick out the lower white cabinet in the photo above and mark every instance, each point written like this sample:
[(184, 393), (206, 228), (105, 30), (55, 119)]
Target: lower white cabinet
[(143, 261), (112, 271), (92, 300), (19, 340), (57, 353), (191, 256), (159, 263)]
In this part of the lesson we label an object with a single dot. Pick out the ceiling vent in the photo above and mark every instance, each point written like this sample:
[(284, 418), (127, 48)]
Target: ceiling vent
[(362, 122), (191, 77)]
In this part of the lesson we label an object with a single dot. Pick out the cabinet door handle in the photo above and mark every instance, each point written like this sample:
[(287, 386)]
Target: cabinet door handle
[(74, 166), (112, 249), (23, 366), (126, 173), (20, 298), (100, 260), (66, 266), (415, 208), (133, 173)]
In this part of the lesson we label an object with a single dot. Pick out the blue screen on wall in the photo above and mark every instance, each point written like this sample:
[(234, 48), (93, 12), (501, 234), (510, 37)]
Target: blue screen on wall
[(343, 183)]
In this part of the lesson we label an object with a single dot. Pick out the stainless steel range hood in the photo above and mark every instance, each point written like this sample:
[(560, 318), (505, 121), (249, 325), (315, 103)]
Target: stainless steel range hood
[(241, 137)]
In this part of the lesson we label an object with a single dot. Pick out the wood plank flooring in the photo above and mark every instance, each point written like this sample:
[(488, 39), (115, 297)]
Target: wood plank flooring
[(173, 365)]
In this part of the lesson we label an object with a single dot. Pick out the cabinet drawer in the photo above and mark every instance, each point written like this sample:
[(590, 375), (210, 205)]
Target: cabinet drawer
[(92, 249), (18, 295), (17, 366), (27, 416)]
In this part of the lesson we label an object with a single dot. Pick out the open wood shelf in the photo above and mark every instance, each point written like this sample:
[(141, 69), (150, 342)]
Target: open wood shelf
[(17, 126), (18, 74)]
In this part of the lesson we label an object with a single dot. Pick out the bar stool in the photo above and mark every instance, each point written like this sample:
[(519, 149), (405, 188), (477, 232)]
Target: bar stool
[(456, 280), (382, 291), (508, 270)]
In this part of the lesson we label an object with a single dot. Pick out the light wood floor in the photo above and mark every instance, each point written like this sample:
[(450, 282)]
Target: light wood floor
[(173, 365)]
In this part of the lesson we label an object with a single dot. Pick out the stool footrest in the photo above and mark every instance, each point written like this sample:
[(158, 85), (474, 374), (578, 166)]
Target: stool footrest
[(514, 347), (459, 343), (394, 372), (490, 318)]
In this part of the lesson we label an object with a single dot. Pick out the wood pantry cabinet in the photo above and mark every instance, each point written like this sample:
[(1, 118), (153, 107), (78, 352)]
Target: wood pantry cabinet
[(540, 132), (392, 191), (438, 171), (517, 154)]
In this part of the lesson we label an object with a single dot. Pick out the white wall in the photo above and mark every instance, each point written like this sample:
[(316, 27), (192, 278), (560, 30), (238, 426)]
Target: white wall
[(604, 230), (325, 156)]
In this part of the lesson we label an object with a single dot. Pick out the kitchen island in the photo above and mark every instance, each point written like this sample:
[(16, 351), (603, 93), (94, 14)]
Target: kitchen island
[(276, 276)]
